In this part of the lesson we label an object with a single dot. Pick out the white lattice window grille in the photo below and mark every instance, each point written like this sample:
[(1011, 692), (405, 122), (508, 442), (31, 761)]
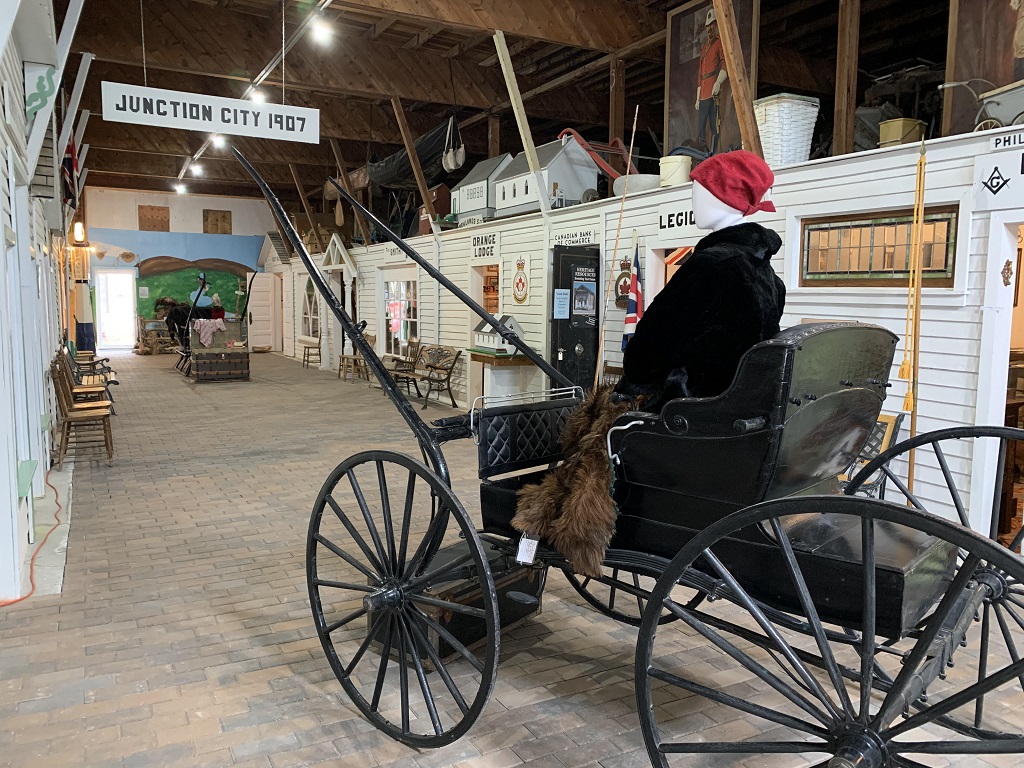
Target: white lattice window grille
[(401, 316), (310, 311)]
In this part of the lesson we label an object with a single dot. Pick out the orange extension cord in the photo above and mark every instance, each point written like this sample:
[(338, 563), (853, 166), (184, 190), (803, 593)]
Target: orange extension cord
[(32, 563)]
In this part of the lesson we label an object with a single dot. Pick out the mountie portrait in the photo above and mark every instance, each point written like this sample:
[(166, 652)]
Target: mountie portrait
[(700, 111)]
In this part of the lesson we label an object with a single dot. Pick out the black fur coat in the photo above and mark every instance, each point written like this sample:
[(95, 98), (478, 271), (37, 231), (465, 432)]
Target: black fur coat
[(723, 299)]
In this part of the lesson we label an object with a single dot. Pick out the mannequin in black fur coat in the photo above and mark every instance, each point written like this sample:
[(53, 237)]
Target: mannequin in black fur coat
[(723, 299)]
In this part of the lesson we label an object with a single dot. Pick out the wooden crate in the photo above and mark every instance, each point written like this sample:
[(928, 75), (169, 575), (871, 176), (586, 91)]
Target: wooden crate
[(220, 366)]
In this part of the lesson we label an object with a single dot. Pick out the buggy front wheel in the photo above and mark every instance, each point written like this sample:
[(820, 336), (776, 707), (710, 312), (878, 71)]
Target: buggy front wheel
[(387, 541), (799, 652)]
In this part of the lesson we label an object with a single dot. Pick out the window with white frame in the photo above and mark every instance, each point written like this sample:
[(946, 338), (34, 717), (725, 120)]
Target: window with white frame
[(311, 311), (401, 316), (874, 250)]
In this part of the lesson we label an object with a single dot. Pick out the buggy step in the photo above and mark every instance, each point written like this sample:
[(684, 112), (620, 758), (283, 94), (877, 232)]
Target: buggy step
[(522, 598)]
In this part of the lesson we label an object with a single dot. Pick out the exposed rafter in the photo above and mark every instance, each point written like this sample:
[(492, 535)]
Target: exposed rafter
[(604, 25)]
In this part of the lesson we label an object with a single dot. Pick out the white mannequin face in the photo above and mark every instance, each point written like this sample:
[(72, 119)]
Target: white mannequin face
[(711, 213)]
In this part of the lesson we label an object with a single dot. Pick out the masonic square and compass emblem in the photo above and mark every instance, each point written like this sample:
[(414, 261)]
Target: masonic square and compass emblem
[(996, 181)]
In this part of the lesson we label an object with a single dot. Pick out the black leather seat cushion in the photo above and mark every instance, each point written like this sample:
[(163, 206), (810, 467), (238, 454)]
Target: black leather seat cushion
[(498, 502)]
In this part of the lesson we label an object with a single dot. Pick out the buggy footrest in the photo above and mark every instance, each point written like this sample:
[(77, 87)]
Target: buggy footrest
[(498, 502)]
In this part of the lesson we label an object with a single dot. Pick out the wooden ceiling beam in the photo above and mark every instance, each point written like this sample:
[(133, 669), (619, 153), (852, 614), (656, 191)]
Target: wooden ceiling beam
[(376, 30), (424, 36), (604, 25), (562, 81), (519, 46), (214, 169), (210, 41), (107, 180), (466, 45)]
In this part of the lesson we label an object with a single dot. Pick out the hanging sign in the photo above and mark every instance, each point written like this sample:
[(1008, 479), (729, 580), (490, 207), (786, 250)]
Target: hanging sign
[(584, 296), (520, 282), (40, 86), (561, 309), (486, 246), (623, 282), (999, 181), (576, 237), (1014, 140), (137, 104)]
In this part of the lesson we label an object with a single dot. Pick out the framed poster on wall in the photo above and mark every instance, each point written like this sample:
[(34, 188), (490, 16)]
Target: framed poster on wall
[(699, 111)]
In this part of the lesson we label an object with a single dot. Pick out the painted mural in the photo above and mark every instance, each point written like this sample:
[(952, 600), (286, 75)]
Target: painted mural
[(699, 108), (163, 276)]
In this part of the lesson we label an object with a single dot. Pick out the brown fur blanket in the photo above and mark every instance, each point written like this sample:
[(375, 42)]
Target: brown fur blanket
[(572, 508)]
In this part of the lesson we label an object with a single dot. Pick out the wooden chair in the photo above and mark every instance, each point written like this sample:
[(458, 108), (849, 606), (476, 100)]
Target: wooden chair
[(83, 425), (355, 362), (84, 384), (310, 349), (610, 374), (885, 435)]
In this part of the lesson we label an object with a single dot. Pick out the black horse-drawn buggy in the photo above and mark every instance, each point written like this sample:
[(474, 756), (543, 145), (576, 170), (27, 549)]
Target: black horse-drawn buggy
[(846, 631)]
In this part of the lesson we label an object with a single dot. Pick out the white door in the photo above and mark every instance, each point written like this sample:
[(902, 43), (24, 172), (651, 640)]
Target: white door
[(115, 308), (264, 315)]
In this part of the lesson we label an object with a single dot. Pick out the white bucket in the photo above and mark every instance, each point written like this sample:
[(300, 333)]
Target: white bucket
[(675, 170)]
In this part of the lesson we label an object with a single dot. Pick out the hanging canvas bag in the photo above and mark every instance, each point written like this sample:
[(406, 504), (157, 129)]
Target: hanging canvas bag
[(454, 155)]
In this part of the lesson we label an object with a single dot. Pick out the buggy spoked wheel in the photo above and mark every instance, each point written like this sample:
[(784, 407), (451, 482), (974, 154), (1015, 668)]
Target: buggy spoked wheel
[(622, 590), (818, 678), (942, 463), (386, 537)]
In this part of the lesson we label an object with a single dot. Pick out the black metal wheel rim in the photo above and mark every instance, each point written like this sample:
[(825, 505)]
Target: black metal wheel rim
[(823, 695), (622, 591), (379, 555)]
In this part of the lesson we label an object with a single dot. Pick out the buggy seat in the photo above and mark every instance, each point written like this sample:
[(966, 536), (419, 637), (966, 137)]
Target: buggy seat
[(799, 410), (797, 414)]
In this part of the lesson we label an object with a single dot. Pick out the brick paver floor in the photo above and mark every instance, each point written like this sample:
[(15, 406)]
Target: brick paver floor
[(183, 636)]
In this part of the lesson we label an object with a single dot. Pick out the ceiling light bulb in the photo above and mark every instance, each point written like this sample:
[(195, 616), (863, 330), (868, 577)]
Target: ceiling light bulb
[(218, 141), (181, 189), (321, 31), (197, 170), (258, 96)]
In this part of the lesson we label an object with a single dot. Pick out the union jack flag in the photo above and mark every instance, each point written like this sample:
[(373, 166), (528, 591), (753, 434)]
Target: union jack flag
[(69, 175), (635, 303)]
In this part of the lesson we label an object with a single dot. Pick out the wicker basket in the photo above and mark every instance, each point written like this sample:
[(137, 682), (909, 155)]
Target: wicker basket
[(786, 122)]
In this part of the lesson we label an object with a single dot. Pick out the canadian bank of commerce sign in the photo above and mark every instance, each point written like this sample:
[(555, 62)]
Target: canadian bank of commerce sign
[(137, 104)]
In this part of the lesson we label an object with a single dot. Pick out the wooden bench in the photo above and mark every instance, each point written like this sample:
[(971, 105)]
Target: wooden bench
[(433, 367)]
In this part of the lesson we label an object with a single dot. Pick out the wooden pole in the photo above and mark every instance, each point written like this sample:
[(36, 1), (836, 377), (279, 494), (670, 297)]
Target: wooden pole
[(846, 76), (305, 206), (617, 108), (414, 160), (742, 94), (346, 182), (520, 112), (615, 255), (493, 135), (916, 283)]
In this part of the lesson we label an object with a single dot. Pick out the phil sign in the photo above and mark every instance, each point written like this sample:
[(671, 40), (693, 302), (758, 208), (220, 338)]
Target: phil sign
[(210, 114)]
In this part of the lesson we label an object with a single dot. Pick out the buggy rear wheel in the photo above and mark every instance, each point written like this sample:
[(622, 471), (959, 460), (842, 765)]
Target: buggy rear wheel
[(418, 663), (622, 591), (809, 690)]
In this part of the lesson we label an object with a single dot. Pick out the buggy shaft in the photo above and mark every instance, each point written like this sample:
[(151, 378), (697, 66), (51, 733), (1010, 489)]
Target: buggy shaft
[(424, 434), (507, 334)]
